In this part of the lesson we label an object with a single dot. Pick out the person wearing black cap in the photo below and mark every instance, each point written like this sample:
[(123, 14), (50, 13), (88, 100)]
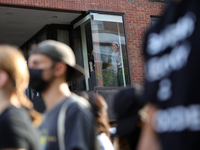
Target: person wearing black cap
[(68, 121), (126, 106), (116, 60)]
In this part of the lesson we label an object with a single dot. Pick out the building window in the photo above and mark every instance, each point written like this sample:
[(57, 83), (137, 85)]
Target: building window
[(154, 21), (104, 51), (109, 51)]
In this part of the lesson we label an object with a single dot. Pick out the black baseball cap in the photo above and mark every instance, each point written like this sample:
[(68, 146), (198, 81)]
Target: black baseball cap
[(61, 52), (126, 105)]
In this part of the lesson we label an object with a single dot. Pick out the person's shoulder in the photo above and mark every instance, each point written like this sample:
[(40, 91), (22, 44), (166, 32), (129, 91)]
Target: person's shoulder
[(13, 112), (79, 105), (78, 101), (21, 112), (15, 118), (17, 115)]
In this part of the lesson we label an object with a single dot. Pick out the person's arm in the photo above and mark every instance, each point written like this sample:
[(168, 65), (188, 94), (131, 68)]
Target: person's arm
[(148, 138), (91, 67), (116, 143)]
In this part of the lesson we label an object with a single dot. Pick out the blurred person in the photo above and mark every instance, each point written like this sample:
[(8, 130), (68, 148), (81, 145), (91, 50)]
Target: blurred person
[(100, 111), (117, 65), (126, 105), (38, 104), (68, 121), (16, 130), (93, 81), (172, 51), (91, 61)]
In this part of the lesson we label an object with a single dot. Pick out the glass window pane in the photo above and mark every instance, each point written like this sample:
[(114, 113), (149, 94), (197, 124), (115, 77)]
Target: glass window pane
[(110, 54), (78, 84), (63, 36)]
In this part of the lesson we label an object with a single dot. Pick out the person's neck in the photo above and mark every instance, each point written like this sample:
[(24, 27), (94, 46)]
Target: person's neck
[(5, 99), (55, 94)]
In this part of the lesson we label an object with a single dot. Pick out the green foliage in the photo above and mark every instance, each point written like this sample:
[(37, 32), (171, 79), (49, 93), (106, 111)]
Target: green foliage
[(108, 77)]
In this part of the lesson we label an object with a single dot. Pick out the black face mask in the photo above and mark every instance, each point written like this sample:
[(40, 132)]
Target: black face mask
[(36, 81)]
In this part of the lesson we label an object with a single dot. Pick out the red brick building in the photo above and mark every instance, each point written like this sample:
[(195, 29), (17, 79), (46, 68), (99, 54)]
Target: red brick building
[(85, 25)]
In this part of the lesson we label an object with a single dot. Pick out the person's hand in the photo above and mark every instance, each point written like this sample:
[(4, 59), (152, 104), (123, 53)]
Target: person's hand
[(119, 64), (149, 139), (91, 70)]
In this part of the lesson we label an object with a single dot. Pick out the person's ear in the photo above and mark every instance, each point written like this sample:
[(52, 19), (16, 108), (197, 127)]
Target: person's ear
[(3, 78), (60, 69)]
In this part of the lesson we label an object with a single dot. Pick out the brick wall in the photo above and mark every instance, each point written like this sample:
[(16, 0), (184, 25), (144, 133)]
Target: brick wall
[(137, 17)]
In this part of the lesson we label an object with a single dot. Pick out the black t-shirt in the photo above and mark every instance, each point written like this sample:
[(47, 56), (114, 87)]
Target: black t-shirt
[(134, 137), (38, 104), (16, 130), (78, 131), (172, 52)]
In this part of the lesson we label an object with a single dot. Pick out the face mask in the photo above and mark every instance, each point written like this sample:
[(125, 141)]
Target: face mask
[(36, 81)]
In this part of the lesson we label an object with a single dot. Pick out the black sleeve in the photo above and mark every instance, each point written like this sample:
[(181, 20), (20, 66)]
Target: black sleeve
[(10, 136), (89, 59), (16, 131)]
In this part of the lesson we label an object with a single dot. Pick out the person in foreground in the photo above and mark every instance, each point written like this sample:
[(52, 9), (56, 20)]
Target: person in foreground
[(16, 130), (172, 50), (68, 122), (100, 111), (126, 105)]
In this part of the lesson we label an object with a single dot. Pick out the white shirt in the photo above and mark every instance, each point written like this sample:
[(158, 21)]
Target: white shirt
[(104, 142)]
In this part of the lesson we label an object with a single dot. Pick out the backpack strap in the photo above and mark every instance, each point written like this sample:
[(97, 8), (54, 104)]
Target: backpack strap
[(61, 124)]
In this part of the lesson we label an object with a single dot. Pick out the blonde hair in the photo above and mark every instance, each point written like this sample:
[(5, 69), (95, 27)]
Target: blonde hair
[(13, 62)]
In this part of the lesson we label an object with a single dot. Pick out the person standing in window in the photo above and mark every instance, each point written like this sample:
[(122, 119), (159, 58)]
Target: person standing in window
[(92, 70), (16, 130), (91, 61), (117, 65)]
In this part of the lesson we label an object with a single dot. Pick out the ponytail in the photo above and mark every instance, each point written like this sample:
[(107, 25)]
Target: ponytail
[(26, 103)]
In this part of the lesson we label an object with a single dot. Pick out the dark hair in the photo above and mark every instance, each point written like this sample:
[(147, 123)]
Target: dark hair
[(100, 111), (69, 68), (124, 143), (126, 105), (91, 56)]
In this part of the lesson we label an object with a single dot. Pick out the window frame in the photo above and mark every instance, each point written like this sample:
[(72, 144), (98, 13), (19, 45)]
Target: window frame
[(125, 35), (126, 42)]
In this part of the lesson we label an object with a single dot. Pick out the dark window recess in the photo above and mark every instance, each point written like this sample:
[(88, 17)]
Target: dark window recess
[(91, 81), (79, 84), (55, 32), (154, 21)]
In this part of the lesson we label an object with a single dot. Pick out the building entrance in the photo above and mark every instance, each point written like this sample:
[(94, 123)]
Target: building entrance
[(97, 39)]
